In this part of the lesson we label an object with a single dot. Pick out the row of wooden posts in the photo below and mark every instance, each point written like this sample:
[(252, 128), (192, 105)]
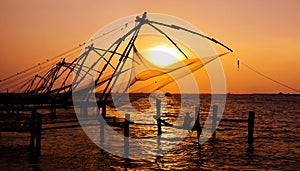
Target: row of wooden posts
[(35, 123), (35, 133), (36, 127), (197, 126)]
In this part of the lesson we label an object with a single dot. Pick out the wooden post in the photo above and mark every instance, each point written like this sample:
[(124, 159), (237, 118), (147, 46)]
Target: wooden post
[(158, 105), (250, 130), (103, 109), (85, 111), (81, 111), (12, 109), (102, 131), (126, 135), (53, 110), (38, 134), (214, 121), (197, 123), (126, 164), (32, 131)]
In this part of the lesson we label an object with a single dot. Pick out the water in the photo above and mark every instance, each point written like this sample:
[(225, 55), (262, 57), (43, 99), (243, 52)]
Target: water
[(276, 142)]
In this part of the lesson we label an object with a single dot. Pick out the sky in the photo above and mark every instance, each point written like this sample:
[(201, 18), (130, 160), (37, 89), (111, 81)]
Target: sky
[(263, 33)]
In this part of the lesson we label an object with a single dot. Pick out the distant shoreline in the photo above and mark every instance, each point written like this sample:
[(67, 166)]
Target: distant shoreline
[(292, 94)]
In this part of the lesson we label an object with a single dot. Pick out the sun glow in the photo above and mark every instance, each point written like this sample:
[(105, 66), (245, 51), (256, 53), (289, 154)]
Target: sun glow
[(163, 55)]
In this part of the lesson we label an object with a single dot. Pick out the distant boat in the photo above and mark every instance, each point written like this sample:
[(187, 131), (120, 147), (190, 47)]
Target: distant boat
[(167, 94)]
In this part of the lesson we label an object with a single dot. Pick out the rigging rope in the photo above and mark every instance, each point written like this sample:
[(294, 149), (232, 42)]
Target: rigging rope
[(75, 49), (40, 64), (265, 76)]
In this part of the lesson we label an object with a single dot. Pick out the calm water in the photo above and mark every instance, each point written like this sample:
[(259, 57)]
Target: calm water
[(276, 143)]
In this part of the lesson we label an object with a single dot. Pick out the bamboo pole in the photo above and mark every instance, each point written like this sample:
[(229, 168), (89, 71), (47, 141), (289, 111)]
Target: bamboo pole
[(214, 121), (197, 123), (126, 135), (103, 109), (32, 131), (250, 130), (158, 107), (38, 134)]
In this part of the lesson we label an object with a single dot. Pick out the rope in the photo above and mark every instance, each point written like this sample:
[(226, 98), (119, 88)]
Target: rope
[(14, 82), (265, 76), (120, 28), (40, 64)]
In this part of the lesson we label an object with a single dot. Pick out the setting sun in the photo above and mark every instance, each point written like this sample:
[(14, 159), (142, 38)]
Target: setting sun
[(163, 55)]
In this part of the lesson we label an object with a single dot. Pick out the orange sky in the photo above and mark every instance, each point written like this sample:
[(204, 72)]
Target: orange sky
[(264, 34)]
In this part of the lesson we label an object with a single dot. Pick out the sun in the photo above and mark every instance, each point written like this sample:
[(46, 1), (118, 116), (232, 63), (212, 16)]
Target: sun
[(163, 55)]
